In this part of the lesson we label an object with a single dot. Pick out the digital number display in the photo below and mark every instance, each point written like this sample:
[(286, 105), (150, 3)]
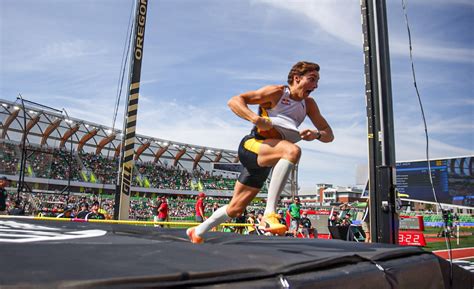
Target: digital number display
[(406, 238)]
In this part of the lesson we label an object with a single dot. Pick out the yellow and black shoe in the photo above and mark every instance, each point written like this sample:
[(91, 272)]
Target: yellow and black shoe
[(271, 223)]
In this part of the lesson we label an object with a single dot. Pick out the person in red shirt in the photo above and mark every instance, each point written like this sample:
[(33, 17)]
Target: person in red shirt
[(200, 208), (163, 211)]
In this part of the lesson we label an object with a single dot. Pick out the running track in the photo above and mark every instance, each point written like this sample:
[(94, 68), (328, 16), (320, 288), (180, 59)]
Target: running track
[(462, 253)]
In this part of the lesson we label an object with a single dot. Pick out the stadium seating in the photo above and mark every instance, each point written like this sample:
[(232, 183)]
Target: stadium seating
[(53, 163)]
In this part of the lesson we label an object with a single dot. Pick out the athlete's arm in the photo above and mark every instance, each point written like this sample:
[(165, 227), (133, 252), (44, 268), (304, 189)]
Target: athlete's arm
[(324, 131), (266, 96)]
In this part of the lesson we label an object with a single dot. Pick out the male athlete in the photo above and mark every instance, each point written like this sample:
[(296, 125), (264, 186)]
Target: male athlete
[(271, 144)]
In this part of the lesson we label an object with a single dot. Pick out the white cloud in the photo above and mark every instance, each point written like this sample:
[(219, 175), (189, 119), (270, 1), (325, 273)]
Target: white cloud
[(98, 110), (342, 21), (426, 50), (436, 125), (204, 126), (250, 75), (413, 147), (443, 2), (68, 49), (327, 168), (72, 53), (339, 19)]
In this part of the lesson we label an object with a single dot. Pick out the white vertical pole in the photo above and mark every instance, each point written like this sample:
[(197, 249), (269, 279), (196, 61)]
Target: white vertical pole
[(457, 225)]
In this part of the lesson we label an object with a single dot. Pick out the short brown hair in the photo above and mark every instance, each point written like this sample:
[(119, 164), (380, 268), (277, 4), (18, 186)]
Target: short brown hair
[(301, 68)]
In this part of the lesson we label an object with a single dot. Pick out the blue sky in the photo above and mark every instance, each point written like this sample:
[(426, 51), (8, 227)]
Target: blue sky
[(198, 54)]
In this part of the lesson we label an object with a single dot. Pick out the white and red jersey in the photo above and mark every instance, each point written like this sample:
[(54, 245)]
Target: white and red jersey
[(286, 116)]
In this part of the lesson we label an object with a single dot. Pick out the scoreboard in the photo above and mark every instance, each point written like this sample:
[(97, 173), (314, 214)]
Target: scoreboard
[(411, 231), (227, 167), (413, 180)]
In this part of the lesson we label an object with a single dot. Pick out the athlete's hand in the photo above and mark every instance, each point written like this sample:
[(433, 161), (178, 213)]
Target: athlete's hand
[(263, 123), (309, 134)]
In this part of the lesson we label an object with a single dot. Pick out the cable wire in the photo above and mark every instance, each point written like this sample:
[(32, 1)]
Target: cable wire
[(123, 66), (446, 236), (125, 53)]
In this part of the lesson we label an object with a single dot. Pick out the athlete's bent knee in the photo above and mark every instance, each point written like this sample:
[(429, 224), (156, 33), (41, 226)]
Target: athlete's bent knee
[(292, 153)]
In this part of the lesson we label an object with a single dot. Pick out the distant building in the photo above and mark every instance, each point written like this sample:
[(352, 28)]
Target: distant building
[(341, 195), (328, 194)]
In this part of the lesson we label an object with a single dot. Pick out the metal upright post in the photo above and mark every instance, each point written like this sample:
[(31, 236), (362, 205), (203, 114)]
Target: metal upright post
[(69, 166), (124, 179), (21, 178), (381, 142)]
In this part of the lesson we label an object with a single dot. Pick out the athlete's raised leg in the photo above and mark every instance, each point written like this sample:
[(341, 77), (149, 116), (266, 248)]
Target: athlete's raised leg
[(272, 150), (283, 156)]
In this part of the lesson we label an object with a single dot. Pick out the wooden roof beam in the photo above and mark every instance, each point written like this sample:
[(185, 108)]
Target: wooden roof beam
[(68, 134), (33, 121), (104, 142), (117, 150), (9, 121), (141, 149), (86, 138), (49, 130), (218, 157), (160, 152), (198, 158), (178, 156)]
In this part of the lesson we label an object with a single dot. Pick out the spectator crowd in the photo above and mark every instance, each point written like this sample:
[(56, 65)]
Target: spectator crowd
[(59, 163)]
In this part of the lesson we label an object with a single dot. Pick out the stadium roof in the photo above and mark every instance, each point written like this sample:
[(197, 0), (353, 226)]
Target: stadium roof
[(49, 128)]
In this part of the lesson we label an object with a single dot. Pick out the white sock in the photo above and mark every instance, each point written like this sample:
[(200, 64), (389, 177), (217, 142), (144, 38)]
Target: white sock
[(218, 217), (280, 174)]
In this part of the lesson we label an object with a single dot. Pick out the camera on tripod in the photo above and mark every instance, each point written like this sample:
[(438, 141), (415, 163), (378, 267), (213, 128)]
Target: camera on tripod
[(445, 214)]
